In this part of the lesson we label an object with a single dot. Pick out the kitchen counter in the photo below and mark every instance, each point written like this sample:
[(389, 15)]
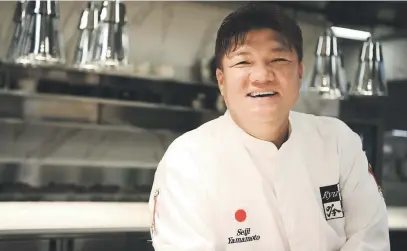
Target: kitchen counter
[(99, 217), (397, 218), (73, 217)]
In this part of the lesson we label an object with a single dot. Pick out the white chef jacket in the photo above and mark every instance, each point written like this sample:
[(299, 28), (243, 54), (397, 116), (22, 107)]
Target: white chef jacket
[(219, 189)]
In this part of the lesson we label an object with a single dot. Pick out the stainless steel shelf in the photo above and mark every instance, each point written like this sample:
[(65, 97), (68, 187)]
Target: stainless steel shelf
[(79, 125), (98, 113), (77, 99), (59, 93), (77, 162), (63, 71), (63, 143)]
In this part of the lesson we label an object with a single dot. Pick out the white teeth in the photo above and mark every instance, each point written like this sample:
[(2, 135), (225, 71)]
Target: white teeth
[(255, 94)]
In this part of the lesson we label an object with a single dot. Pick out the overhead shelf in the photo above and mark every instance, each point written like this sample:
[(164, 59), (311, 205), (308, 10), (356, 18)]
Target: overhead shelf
[(77, 162), (80, 125), (91, 100), (76, 144), (55, 93), (115, 85), (68, 73)]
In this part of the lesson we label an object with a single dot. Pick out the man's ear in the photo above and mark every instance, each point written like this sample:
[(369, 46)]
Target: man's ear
[(301, 70), (220, 78)]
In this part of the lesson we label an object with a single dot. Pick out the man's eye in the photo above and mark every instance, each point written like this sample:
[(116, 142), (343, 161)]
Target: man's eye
[(242, 63), (279, 60)]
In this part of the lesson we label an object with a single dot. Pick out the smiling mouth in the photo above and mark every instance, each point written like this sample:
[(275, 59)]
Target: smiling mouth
[(261, 94)]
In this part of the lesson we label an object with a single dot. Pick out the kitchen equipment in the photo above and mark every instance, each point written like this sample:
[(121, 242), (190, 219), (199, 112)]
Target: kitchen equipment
[(87, 25), (204, 70), (328, 78), (110, 45), (18, 23), (370, 79), (40, 41)]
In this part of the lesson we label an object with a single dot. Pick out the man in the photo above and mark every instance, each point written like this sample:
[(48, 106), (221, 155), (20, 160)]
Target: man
[(262, 177)]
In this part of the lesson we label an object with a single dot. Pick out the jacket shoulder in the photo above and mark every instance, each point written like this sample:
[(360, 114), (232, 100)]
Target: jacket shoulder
[(187, 155), (199, 139), (324, 125)]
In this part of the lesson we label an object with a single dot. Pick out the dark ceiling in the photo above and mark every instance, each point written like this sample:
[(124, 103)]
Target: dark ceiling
[(353, 13), (356, 12)]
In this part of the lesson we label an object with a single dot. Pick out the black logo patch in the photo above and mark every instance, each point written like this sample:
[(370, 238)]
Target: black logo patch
[(332, 202)]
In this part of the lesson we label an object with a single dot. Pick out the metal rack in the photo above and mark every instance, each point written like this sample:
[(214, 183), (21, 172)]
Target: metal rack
[(104, 98), (374, 116), (72, 135), (79, 102), (85, 241), (365, 116)]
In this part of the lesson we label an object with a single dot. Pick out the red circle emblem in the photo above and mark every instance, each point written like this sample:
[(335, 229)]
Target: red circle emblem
[(240, 215)]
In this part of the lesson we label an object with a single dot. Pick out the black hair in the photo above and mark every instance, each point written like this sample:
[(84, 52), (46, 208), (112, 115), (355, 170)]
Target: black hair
[(234, 28)]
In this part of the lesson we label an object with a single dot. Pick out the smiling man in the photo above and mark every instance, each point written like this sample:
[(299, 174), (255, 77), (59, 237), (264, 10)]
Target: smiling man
[(262, 177)]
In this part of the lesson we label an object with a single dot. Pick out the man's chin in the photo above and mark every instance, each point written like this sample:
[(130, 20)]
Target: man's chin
[(265, 115)]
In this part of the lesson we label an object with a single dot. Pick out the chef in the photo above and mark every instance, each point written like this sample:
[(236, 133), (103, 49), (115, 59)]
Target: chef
[(262, 177)]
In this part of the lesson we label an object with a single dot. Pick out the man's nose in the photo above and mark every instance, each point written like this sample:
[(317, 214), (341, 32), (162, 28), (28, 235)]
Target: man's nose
[(261, 74)]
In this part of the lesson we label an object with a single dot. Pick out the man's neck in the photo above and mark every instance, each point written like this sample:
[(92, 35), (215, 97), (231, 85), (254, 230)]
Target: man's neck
[(276, 132)]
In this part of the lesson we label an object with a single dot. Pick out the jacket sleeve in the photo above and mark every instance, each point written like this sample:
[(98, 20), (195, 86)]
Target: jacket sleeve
[(179, 206), (366, 221)]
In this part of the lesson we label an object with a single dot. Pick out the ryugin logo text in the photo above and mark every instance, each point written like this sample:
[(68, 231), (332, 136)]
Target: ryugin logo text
[(332, 201), (330, 195), (243, 235)]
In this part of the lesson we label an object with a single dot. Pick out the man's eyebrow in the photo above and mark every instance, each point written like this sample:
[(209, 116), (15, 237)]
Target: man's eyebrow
[(238, 53), (280, 48)]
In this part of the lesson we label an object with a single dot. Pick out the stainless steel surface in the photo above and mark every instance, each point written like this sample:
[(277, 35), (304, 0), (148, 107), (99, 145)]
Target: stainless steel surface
[(204, 70), (395, 168), (43, 71), (88, 23), (14, 51), (90, 102), (41, 41), (43, 7), (74, 183), (63, 146), (311, 102), (370, 79), (73, 144), (60, 217), (56, 94), (110, 45), (99, 113), (109, 241), (329, 78), (113, 12), (65, 159)]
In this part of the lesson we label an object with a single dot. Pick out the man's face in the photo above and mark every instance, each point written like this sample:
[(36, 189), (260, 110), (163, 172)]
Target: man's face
[(262, 65)]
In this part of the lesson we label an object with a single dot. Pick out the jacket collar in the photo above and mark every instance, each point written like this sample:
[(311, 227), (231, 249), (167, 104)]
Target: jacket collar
[(253, 142)]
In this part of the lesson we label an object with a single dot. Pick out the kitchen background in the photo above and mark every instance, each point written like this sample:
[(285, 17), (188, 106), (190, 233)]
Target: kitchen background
[(80, 136)]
